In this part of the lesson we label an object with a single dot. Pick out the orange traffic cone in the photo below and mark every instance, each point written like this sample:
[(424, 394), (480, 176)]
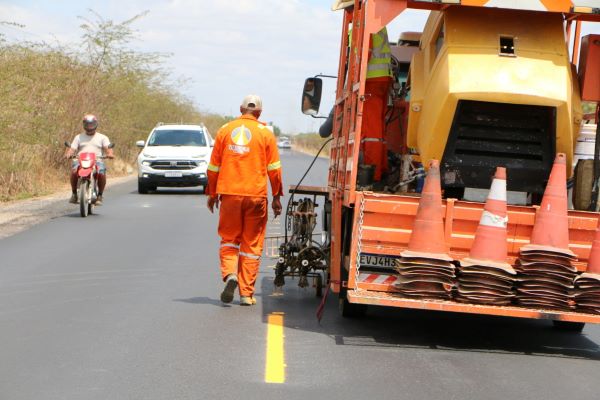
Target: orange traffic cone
[(489, 246), (551, 229), (427, 239), (593, 267)]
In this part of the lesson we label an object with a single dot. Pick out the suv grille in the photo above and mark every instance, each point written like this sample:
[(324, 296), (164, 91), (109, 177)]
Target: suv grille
[(174, 165)]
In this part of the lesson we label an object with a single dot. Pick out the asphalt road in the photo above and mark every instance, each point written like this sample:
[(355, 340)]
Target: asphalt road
[(125, 305)]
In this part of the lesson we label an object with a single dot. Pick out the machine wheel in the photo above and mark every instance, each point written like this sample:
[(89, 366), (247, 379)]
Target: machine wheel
[(319, 285), (584, 182), (568, 326), (83, 198), (142, 188), (351, 310)]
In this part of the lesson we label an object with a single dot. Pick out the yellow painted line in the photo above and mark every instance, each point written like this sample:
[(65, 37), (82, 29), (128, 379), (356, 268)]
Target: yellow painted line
[(275, 366)]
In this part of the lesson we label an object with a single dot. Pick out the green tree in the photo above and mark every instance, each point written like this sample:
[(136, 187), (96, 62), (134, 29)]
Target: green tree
[(276, 129)]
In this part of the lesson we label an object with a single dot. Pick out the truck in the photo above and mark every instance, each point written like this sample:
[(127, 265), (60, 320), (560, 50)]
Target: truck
[(487, 84)]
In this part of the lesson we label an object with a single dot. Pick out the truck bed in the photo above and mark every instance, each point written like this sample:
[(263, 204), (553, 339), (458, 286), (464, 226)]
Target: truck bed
[(382, 227)]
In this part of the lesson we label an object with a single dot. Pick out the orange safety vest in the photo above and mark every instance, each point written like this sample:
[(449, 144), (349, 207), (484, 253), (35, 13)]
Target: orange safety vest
[(245, 153)]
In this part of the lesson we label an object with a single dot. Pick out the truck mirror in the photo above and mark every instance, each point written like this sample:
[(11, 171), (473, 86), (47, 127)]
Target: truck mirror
[(311, 96)]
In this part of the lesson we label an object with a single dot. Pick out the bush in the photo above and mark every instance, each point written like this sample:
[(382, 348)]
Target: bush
[(46, 91)]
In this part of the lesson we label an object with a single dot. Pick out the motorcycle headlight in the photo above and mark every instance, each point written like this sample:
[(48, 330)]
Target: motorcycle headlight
[(86, 163)]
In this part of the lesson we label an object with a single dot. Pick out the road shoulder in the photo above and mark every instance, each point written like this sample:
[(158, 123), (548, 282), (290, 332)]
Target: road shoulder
[(17, 216)]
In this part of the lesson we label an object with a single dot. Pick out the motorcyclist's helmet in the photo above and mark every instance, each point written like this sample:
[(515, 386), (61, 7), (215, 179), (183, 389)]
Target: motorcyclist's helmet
[(90, 123)]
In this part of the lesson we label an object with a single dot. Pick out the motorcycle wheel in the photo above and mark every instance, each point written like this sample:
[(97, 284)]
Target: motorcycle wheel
[(83, 198), (93, 193)]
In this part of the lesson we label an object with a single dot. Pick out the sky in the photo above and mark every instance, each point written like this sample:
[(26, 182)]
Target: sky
[(225, 49)]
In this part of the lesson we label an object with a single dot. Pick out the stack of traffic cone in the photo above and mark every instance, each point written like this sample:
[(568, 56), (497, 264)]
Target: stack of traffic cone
[(485, 277), (425, 268), (545, 270), (587, 285)]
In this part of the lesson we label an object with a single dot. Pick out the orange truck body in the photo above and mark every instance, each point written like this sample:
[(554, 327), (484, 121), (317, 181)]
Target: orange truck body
[(380, 224)]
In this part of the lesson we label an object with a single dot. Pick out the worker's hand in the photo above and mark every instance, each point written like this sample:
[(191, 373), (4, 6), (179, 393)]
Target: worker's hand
[(211, 202), (276, 206)]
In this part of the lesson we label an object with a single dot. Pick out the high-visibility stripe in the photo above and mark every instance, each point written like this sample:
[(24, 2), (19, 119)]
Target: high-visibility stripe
[(249, 255), (235, 246), (381, 56), (213, 168), (380, 279), (365, 140), (275, 165), (498, 190), (493, 220)]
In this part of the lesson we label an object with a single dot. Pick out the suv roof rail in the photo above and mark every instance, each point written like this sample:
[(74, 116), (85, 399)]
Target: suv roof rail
[(179, 123)]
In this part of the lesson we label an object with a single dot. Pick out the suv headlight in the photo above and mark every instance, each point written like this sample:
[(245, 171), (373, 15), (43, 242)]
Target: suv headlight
[(202, 163), (148, 155), (146, 163)]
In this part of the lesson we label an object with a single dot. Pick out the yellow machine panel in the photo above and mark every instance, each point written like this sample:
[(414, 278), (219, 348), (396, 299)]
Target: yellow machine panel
[(479, 66)]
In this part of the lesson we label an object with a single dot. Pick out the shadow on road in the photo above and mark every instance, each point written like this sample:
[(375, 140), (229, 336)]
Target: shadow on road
[(171, 191), (438, 331), (204, 300), (78, 215)]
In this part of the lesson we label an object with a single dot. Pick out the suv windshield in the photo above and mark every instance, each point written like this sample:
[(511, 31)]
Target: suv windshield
[(166, 137)]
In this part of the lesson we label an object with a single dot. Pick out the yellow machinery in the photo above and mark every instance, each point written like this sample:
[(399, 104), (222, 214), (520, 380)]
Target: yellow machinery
[(493, 87)]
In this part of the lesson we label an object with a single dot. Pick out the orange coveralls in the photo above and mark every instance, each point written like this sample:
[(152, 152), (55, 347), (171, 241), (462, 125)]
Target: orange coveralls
[(377, 85), (373, 126), (244, 155)]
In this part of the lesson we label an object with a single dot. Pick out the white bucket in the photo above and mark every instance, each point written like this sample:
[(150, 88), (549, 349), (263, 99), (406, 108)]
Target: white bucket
[(584, 148)]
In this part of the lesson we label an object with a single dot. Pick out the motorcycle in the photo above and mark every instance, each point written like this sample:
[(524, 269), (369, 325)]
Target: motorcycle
[(87, 182)]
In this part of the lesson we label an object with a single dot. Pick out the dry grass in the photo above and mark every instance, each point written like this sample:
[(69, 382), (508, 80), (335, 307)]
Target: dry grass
[(310, 143)]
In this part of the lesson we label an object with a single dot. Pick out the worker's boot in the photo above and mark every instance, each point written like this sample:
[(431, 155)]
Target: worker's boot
[(247, 301), (231, 283)]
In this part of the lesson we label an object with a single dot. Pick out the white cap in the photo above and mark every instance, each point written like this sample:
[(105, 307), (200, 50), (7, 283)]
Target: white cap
[(252, 102)]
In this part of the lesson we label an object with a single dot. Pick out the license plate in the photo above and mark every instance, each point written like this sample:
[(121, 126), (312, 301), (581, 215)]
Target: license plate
[(377, 261), (173, 174)]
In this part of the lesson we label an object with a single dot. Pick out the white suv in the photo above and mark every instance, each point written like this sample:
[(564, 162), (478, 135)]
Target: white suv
[(174, 155)]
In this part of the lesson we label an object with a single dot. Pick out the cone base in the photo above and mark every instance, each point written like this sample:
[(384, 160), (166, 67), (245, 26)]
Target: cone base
[(589, 275), (550, 249), (470, 262), (433, 256)]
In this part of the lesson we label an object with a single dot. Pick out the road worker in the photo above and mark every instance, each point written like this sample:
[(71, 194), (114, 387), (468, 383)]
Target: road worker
[(377, 86), (379, 79), (244, 155), (92, 142)]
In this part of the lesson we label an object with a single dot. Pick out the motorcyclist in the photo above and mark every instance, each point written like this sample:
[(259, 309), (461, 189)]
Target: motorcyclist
[(90, 142)]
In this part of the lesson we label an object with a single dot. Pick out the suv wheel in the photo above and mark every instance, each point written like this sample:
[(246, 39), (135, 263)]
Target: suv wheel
[(142, 188)]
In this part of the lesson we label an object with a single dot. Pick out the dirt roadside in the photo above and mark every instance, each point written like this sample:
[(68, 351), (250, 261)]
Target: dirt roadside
[(17, 216)]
